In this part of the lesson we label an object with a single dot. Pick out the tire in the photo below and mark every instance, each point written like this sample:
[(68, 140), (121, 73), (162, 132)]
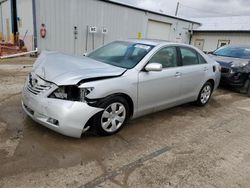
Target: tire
[(248, 89), (205, 94), (112, 119)]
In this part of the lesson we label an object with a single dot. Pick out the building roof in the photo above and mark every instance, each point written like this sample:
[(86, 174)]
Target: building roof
[(150, 11), (226, 24)]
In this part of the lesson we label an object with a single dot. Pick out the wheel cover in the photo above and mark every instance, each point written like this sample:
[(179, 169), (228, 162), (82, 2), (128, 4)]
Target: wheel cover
[(113, 117), (205, 94)]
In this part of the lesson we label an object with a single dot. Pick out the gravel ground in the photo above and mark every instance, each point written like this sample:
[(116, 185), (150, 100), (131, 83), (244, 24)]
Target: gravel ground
[(186, 146)]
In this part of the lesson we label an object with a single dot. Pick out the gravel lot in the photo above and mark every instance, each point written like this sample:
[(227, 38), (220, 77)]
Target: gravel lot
[(186, 146)]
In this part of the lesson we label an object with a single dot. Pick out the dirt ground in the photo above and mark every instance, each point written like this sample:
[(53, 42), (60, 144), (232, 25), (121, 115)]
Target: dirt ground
[(186, 146)]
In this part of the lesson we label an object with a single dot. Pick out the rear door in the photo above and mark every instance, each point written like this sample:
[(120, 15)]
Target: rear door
[(158, 90), (193, 72)]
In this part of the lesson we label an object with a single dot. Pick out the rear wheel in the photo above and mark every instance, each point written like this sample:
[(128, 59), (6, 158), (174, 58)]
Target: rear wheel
[(113, 117), (205, 94)]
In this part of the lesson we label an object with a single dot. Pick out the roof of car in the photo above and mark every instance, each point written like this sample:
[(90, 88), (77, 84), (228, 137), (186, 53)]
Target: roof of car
[(238, 45), (153, 42)]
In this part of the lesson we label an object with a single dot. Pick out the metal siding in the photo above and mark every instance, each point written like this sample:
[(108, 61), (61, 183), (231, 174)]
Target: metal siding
[(1, 20), (6, 14), (24, 12), (211, 39), (60, 17)]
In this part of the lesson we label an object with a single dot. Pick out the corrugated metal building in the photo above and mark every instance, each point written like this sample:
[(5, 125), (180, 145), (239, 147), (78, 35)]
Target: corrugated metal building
[(68, 24), (63, 18), (218, 31)]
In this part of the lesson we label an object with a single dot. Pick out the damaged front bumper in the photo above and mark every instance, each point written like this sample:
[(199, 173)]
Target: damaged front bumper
[(233, 77), (65, 117)]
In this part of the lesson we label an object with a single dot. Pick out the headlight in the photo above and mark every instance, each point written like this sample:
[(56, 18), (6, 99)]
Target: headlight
[(240, 64), (61, 93), (72, 93), (84, 92)]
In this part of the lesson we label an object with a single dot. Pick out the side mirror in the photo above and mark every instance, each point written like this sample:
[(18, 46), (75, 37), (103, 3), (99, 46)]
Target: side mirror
[(153, 67)]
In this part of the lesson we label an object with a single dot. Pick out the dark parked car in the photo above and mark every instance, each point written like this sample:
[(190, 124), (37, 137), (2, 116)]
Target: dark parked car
[(235, 66)]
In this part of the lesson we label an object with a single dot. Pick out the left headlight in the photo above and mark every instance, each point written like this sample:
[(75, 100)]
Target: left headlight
[(72, 93)]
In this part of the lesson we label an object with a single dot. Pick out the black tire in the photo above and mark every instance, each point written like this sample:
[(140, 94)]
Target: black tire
[(97, 121), (248, 88), (200, 101)]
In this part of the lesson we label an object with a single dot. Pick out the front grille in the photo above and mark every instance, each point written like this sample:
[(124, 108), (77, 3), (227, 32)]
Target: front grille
[(36, 85), (225, 70)]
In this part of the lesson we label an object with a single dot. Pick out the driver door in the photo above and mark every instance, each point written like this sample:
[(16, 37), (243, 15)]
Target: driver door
[(159, 90)]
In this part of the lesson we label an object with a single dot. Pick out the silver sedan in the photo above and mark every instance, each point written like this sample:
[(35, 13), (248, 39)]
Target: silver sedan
[(122, 80)]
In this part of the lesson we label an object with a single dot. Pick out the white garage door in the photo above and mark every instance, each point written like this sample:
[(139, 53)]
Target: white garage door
[(158, 30)]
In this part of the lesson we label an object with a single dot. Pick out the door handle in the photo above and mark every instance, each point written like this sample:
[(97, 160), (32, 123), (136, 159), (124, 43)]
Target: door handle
[(205, 69), (178, 74)]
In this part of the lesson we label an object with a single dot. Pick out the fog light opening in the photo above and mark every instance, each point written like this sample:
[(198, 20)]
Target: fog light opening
[(53, 121)]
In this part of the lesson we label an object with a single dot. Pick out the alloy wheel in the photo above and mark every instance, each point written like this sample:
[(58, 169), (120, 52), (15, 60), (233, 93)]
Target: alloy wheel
[(113, 117), (205, 94)]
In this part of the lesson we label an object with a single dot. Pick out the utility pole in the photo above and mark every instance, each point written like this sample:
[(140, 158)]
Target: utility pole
[(177, 9)]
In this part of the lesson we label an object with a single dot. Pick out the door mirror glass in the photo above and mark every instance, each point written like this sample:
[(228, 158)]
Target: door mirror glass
[(153, 67)]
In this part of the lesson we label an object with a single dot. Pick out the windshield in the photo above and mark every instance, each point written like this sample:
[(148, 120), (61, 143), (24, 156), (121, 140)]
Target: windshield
[(236, 52), (121, 54)]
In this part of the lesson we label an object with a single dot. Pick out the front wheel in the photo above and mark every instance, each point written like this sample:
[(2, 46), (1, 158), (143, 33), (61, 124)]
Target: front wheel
[(205, 94), (113, 117)]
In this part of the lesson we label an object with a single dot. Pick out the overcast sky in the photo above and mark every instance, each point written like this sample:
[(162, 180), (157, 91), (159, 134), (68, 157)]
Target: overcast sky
[(195, 8)]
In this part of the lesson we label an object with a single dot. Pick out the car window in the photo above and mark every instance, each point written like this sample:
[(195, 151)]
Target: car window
[(121, 54), (201, 59), (232, 51), (166, 56), (189, 57)]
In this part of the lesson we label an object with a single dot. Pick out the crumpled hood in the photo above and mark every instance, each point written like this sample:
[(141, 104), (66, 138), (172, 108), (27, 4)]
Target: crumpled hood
[(64, 69), (227, 61)]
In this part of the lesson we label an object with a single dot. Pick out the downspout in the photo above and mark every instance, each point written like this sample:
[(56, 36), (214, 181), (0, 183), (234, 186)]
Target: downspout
[(14, 21), (191, 34), (34, 23)]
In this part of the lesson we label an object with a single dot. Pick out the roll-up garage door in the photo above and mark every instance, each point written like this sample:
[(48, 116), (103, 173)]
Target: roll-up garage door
[(158, 30)]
